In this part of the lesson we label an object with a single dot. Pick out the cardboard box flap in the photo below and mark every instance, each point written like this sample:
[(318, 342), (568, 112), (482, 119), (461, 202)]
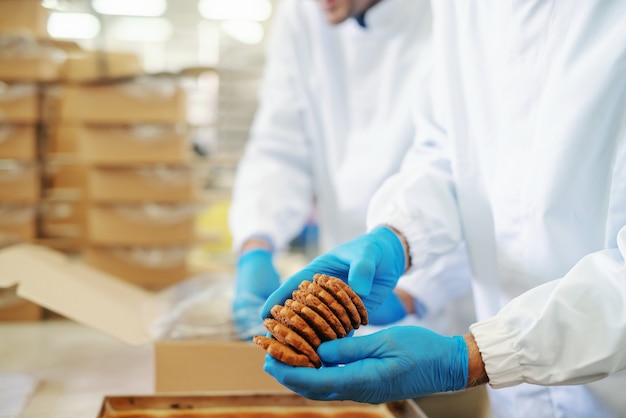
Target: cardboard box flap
[(79, 292)]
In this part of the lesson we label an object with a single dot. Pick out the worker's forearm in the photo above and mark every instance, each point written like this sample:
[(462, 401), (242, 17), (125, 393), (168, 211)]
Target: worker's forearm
[(476, 374)]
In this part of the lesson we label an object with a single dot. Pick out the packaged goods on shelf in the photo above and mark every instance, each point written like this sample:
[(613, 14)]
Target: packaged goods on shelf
[(25, 59), (142, 224), (27, 17), (19, 102), (17, 223), (18, 141), (19, 181), (123, 144), (140, 183), (150, 99), (92, 66), (151, 267)]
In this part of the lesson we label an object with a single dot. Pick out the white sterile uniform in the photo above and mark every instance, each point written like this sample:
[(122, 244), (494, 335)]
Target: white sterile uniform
[(334, 121), (526, 134)]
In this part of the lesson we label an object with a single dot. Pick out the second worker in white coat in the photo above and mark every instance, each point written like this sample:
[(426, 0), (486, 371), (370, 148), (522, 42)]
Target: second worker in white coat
[(334, 122)]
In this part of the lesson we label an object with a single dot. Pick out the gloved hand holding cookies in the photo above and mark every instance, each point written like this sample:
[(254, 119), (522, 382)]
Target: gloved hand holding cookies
[(320, 310)]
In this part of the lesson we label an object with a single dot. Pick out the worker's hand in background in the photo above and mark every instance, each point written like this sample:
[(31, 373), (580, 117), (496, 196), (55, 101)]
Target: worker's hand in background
[(256, 279), (371, 264), (393, 364), (391, 310)]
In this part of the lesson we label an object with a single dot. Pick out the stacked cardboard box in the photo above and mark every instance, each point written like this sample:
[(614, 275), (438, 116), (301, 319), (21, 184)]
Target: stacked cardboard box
[(133, 167), (25, 63)]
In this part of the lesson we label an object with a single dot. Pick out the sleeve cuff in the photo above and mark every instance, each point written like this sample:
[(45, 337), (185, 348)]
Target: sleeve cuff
[(497, 347)]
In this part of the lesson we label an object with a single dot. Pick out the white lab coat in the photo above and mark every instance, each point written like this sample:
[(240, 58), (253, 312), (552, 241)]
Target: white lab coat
[(334, 121), (523, 148)]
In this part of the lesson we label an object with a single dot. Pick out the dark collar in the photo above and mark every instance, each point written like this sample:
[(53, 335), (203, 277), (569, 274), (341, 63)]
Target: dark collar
[(360, 19)]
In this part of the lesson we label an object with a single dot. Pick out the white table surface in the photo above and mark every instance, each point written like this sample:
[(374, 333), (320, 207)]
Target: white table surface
[(75, 366)]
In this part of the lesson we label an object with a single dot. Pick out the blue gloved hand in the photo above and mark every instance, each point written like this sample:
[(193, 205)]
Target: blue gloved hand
[(256, 280), (371, 264), (391, 310), (393, 364)]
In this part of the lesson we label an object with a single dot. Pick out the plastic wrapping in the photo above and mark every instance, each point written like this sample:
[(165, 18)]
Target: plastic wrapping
[(196, 308), (160, 213)]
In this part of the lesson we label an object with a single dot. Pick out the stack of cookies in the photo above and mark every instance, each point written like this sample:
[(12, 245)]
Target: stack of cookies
[(319, 310)]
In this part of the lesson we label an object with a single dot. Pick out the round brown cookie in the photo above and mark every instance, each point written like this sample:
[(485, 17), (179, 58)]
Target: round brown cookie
[(318, 306), (288, 336), (294, 321), (336, 290), (356, 299), (324, 331), (330, 301), (282, 352)]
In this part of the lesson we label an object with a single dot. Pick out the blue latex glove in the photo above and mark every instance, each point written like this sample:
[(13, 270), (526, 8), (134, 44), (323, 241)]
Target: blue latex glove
[(371, 264), (394, 364), (256, 280), (390, 311)]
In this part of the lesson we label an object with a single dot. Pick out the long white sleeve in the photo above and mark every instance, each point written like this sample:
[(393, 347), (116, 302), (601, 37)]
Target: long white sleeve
[(273, 191)]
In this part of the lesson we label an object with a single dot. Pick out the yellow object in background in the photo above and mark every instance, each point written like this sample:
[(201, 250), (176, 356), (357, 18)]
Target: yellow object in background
[(213, 223)]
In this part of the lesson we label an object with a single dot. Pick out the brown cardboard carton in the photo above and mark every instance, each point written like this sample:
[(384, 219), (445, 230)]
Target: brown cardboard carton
[(25, 59), (17, 223), (123, 144), (18, 142), (63, 217), (26, 17), (149, 267), (141, 224), (66, 174), (14, 308), (89, 66), (19, 103), (141, 183), (142, 100), (19, 181), (129, 313)]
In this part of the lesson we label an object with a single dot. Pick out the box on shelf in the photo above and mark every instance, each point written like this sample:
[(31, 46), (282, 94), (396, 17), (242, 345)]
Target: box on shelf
[(25, 59), (17, 223), (19, 102), (123, 144), (67, 174), (18, 142), (141, 100), (141, 223), (130, 313), (147, 266), (140, 183), (19, 181), (26, 17), (89, 66), (63, 217)]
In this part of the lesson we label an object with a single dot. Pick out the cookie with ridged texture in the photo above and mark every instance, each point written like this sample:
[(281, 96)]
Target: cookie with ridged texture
[(282, 352), (288, 336), (331, 285), (324, 279), (291, 319), (318, 306), (323, 330), (330, 301)]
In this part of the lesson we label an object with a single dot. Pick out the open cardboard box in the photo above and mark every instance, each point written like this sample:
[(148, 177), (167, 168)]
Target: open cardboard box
[(131, 314)]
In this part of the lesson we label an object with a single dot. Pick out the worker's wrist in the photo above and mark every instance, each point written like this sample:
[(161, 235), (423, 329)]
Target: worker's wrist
[(405, 246), (476, 375), (256, 243)]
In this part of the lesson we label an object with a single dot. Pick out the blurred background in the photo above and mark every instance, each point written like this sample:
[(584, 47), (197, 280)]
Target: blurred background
[(121, 125)]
